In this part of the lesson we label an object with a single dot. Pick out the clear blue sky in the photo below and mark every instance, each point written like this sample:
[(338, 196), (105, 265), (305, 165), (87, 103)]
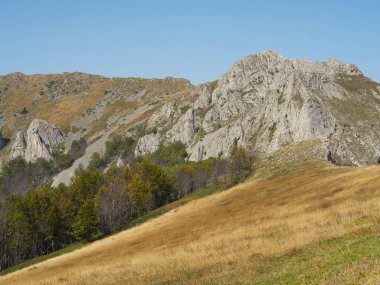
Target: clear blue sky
[(194, 39)]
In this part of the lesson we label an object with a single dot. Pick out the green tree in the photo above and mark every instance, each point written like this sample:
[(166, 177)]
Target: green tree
[(87, 222), (85, 186), (77, 149), (170, 155), (45, 217), (97, 163), (19, 231), (119, 146), (140, 194), (240, 163), (161, 186)]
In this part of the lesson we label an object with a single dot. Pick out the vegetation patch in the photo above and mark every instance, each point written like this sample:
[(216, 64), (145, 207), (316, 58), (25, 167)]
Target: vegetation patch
[(350, 259), (24, 111), (355, 84), (272, 130), (281, 99)]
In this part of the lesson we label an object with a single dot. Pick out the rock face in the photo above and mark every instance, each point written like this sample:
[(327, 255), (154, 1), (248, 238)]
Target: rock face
[(39, 141), (147, 144), (266, 101)]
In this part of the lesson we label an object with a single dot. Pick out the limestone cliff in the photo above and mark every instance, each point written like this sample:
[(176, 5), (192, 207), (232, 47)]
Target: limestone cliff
[(266, 101), (39, 141)]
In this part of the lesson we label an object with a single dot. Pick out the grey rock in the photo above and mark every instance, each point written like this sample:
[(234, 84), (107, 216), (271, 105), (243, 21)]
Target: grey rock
[(39, 141), (265, 102), (147, 144)]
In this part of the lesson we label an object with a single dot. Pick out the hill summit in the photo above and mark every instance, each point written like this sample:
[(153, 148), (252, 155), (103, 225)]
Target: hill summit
[(266, 101)]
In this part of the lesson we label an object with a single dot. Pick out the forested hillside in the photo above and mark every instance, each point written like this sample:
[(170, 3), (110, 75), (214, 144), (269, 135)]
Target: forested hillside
[(100, 201)]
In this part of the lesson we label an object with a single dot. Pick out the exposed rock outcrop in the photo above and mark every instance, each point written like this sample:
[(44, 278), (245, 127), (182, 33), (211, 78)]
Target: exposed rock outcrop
[(147, 144), (266, 101), (39, 141)]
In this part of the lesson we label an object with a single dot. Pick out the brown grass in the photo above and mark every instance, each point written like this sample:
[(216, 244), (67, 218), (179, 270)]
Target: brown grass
[(62, 112), (217, 239)]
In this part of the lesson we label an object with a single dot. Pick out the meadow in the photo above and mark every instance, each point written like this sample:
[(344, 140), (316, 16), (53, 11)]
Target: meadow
[(318, 226)]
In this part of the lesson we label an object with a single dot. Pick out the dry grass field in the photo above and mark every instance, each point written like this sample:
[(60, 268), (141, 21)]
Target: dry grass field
[(79, 94), (316, 226)]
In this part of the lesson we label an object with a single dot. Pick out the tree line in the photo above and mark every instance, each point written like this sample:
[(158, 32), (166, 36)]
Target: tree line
[(104, 197)]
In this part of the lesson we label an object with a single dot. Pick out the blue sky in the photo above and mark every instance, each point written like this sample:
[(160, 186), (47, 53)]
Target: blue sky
[(197, 40)]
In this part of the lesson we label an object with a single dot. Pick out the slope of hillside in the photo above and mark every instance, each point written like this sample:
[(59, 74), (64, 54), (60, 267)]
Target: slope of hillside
[(315, 224), (75, 101), (80, 105)]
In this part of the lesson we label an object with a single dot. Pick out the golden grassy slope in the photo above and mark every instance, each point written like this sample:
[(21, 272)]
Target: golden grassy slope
[(226, 238), (74, 94)]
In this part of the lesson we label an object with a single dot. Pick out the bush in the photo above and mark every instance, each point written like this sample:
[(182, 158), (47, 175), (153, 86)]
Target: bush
[(120, 146), (24, 111), (169, 155), (97, 163), (240, 164), (77, 149)]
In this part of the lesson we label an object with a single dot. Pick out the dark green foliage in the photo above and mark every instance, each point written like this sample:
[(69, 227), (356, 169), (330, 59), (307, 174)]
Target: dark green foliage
[(85, 186), (97, 162), (77, 149), (24, 111), (33, 225), (62, 161), (19, 230), (170, 155), (120, 146), (87, 222), (65, 160), (157, 180)]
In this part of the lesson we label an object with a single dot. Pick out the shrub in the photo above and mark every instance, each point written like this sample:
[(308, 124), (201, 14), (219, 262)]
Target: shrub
[(77, 149), (120, 146), (169, 155), (24, 111)]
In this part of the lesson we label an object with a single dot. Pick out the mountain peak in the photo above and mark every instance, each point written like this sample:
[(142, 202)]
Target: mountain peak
[(272, 61), (266, 101)]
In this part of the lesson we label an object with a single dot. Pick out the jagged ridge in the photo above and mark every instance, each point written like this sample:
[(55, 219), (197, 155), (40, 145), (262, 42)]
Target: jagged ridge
[(264, 102)]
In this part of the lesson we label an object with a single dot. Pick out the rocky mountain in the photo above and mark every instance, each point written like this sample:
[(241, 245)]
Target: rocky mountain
[(263, 102), (266, 101)]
